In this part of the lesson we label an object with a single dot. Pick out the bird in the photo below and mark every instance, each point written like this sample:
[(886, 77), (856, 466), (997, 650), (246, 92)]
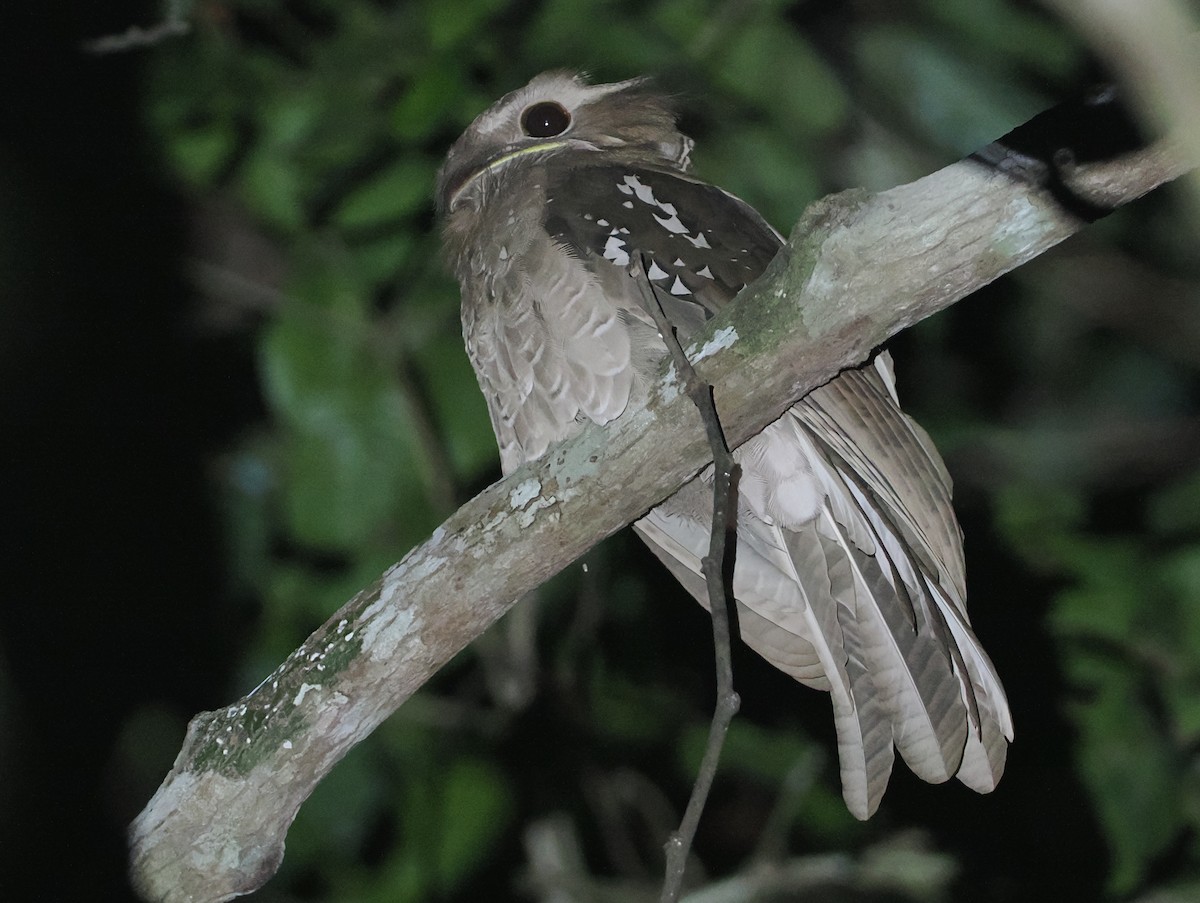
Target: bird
[(849, 571)]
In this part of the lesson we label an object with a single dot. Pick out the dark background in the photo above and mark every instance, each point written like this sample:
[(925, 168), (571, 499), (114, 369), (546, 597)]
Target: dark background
[(233, 391)]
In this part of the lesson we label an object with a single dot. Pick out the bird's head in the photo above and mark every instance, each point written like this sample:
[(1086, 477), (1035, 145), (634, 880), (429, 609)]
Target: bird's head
[(559, 112)]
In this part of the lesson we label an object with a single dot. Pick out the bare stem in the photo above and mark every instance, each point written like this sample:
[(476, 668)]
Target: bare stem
[(173, 24), (717, 567)]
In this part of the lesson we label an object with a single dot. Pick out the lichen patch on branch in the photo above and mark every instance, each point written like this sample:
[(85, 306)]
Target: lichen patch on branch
[(723, 338), (525, 492)]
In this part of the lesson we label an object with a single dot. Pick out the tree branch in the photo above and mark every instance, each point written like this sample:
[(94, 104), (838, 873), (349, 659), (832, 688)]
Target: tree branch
[(173, 24), (1152, 46), (858, 269)]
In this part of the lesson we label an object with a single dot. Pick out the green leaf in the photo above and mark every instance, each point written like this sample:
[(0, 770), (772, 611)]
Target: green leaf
[(271, 185), (349, 466), (1179, 639), (561, 35), (685, 20), (780, 184), (458, 405), (758, 752), (289, 117), (379, 259), (1132, 773), (446, 30), (783, 758), (390, 195), (632, 713), (451, 817), (429, 102), (778, 72), (1176, 509), (476, 807), (1039, 522), (334, 820), (200, 154), (1009, 34), (956, 102), (1109, 599)]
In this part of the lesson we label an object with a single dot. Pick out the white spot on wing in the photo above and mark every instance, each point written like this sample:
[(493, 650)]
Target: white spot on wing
[(706, 273), (656, 272), (678, 288), (614, 250), (699, 241), (643, 191), (671, 225)]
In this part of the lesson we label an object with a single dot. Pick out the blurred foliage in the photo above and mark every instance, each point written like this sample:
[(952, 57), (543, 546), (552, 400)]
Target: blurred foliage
[(1068, 418)]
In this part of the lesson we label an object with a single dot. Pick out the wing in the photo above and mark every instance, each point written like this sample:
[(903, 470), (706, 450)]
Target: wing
[(849, 570), (558, 338), (547, 343), (698, 264)]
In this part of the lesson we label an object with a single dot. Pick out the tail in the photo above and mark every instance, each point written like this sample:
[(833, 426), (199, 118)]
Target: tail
[(849, 577)]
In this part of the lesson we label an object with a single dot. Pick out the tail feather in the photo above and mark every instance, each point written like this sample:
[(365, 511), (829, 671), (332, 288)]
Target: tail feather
[(821, 571), (849, 578), (866, 743), (912, 675), (987, 742)]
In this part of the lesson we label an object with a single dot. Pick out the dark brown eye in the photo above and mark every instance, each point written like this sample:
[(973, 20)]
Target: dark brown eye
[(545, 120)]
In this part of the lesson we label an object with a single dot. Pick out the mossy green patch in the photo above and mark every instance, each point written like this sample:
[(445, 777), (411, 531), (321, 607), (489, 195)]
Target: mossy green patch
[(238, 738)]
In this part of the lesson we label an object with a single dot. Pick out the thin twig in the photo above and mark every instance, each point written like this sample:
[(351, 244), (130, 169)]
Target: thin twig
[(717, 567), (174, 24)]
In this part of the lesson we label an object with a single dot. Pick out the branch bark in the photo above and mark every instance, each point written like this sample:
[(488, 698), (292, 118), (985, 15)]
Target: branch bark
[(1151, 45), (858, 269)]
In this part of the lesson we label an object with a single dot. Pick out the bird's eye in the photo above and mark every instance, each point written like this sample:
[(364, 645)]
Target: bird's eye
[(545, 120)]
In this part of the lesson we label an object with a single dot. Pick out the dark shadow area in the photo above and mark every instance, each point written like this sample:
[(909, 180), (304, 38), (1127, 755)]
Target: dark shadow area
[(111, 406)]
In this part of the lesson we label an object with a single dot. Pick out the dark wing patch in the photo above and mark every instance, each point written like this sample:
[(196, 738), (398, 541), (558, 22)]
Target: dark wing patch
[(702, 245)]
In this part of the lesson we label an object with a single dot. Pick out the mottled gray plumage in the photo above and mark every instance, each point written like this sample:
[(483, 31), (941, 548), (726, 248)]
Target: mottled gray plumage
[(849, 572)]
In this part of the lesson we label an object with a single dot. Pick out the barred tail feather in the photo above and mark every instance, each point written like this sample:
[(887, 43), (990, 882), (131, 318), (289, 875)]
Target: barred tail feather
[(866, 744), (912, 674)]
